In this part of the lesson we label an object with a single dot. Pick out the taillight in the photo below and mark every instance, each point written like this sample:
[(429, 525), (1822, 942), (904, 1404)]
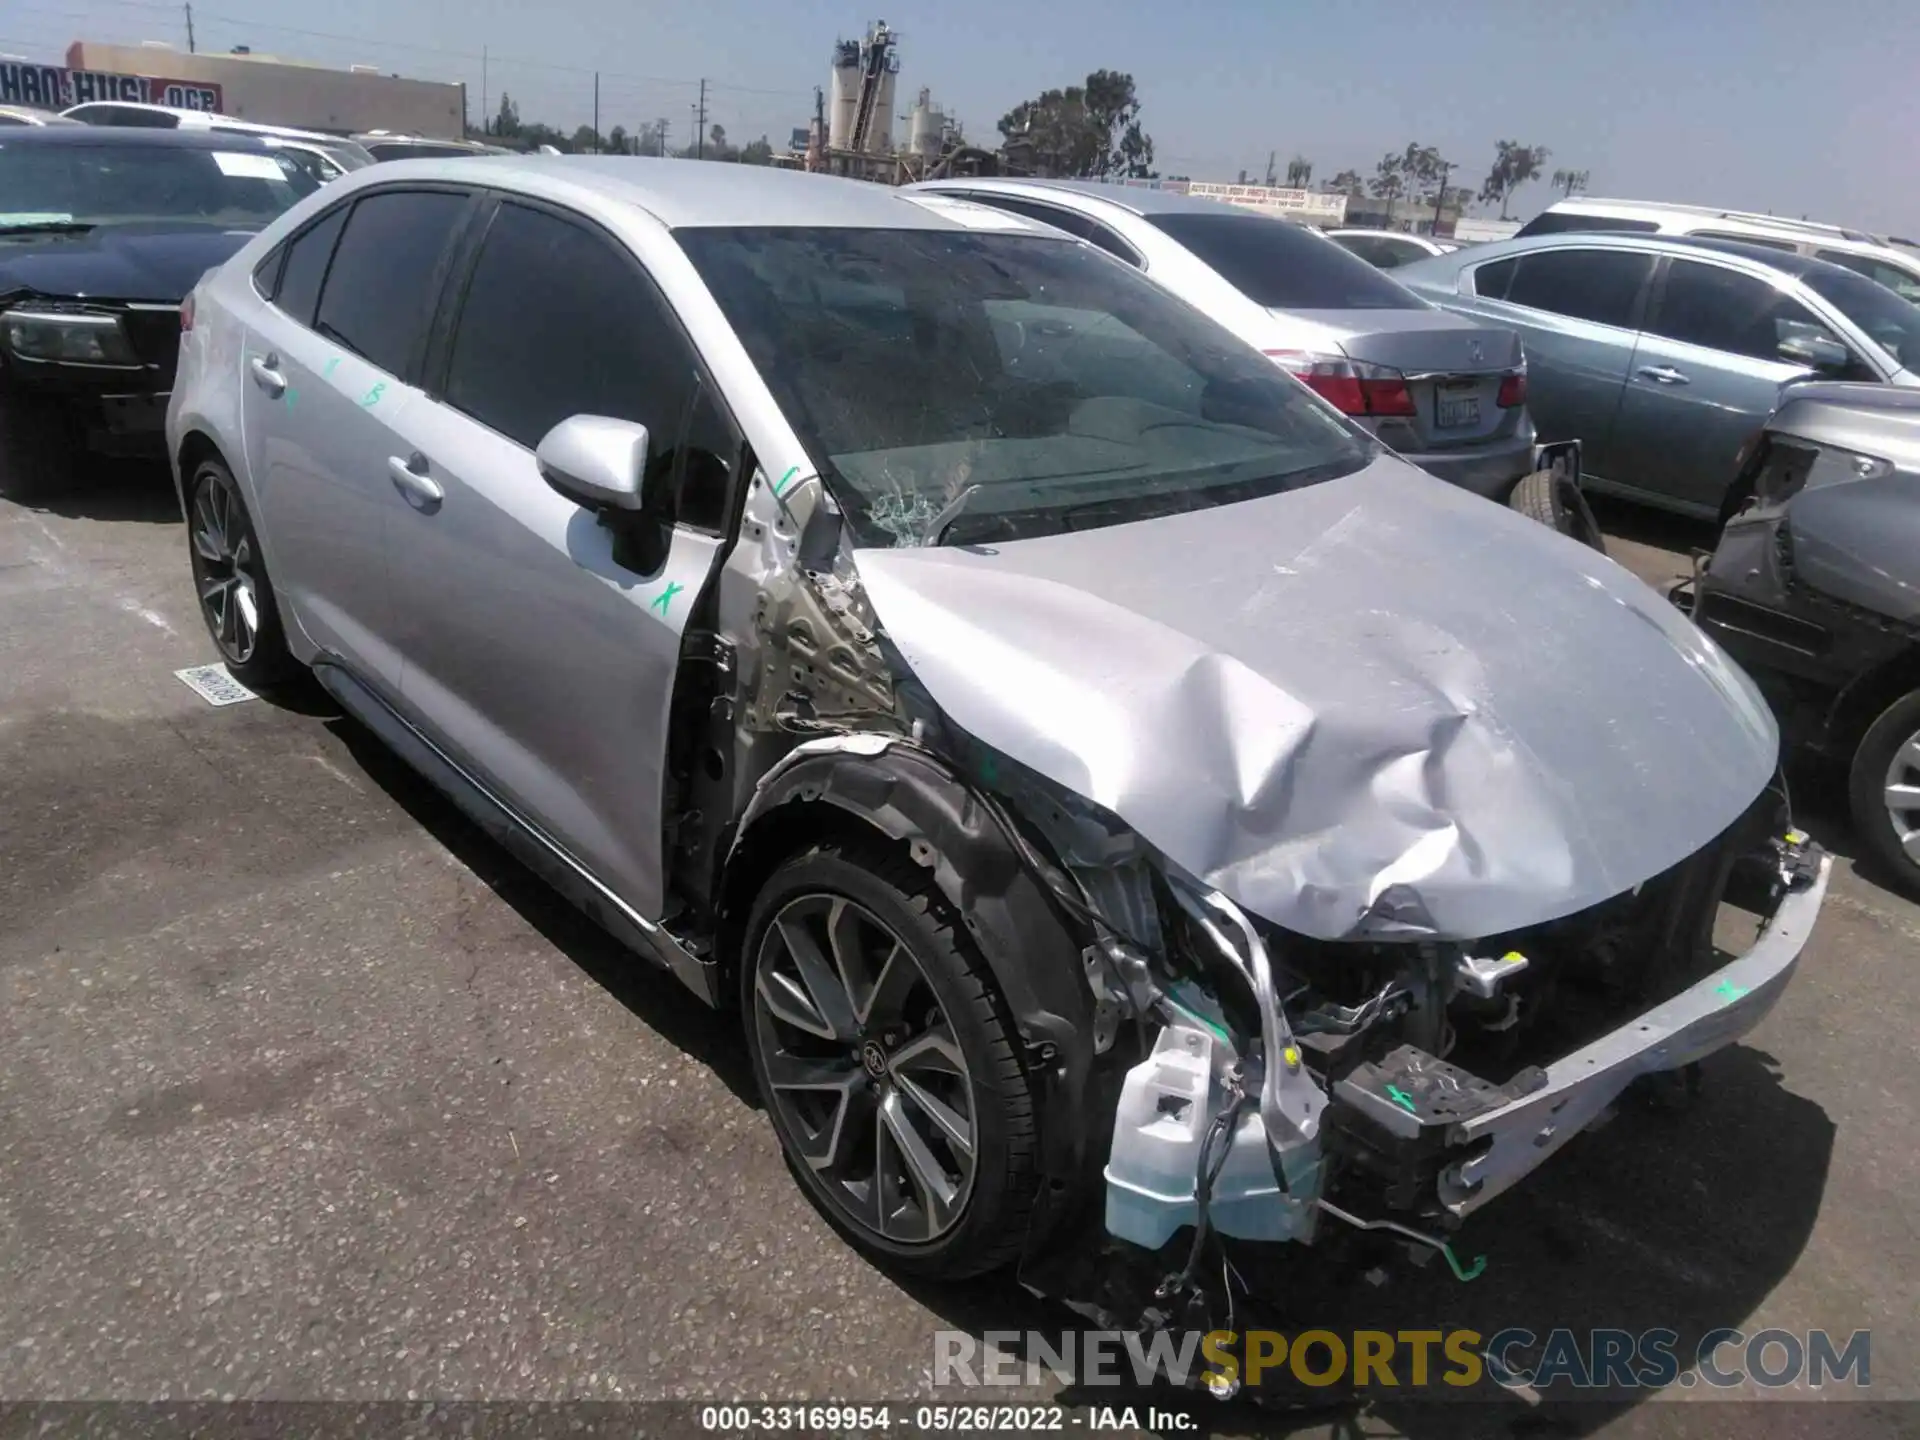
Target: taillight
[(1513, 390), (186, 314), (1353, 387)]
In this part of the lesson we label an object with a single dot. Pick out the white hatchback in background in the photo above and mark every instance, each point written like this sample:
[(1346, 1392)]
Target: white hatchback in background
[(1448, 396)]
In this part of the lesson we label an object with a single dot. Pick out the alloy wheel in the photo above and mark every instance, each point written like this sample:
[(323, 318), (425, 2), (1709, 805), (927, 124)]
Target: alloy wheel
[(1900, 793), (863, 1069), (226, 568)]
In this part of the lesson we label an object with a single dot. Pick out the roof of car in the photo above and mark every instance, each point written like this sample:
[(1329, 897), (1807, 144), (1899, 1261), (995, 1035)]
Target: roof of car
[(1783, 260), (119, 135), (687, 193), (1139, 199)]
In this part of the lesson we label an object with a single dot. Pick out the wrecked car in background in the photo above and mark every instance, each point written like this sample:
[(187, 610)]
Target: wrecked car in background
[(1815, 589), (1119, 795)]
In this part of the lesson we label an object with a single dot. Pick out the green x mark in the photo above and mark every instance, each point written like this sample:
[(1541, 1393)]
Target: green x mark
[(1400, 1098), (665, 597), (1727, 990)]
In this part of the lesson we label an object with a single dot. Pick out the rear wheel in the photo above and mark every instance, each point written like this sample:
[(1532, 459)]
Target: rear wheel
[(1551, 497), (887, 1062), (230, 575), (1884, 790)]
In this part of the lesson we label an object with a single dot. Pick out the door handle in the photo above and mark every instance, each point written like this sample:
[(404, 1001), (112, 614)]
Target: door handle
[(1662, 374), (410, 478), (267, 376)]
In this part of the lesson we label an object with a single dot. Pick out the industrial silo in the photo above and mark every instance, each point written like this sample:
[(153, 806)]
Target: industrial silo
[(843, 94)]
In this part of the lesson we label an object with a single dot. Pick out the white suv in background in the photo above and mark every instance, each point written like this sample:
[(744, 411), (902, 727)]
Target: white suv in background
[(325, 157), (1897, 268)]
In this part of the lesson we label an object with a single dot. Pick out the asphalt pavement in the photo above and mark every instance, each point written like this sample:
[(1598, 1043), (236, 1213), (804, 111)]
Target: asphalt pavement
[(308, 1091)]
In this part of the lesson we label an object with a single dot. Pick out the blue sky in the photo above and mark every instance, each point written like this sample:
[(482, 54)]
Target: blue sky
[(1755, 104)]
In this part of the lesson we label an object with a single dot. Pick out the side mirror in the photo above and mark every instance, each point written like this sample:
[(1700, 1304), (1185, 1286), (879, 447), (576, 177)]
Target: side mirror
[(598, 463), (1816, 352)]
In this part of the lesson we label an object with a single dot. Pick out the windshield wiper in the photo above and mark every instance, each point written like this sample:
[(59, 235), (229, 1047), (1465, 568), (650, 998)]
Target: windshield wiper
[(936, 531), (47, 227)]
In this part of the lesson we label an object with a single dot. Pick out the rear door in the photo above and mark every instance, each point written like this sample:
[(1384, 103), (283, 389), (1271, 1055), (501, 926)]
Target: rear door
[(1577, 309), (1706, 372), (536, 660), (328, 367)]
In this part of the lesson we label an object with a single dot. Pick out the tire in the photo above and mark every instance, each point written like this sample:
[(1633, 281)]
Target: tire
[(832, 1100), (1552, 499), (230, 577), (37, 444), (1883, 752)]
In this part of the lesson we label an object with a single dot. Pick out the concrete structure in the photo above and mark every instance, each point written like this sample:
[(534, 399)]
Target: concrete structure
[(927, 127), (858, 64), (1312, 206), (277, 91)]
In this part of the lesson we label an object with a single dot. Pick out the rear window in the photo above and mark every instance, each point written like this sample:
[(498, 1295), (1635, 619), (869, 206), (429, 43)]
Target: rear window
[(1284, 267), (1765, 242), (1559, 222), (415, 150)]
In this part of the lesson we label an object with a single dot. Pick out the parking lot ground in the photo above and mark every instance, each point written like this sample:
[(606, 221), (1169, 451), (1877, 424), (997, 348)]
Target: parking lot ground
[(307, 1091)]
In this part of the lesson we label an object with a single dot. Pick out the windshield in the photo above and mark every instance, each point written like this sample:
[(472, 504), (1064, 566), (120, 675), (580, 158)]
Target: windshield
[(1282, 266), (973, 386), (1890, 322), (107, 184)]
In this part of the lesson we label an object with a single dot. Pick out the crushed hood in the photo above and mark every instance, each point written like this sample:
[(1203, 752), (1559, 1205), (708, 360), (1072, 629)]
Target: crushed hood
[(1377, 707)]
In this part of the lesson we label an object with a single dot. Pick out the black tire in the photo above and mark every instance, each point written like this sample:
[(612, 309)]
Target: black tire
[(992, 1223), (1873, 819), (230, 578), (1552, 499), (37, 445)]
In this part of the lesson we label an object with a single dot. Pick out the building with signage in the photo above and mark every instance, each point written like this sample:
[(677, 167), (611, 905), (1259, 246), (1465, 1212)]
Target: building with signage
[(269, 89), (1311, 206)]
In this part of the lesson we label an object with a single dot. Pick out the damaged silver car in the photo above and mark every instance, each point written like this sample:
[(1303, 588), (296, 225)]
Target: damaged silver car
[(1124, 804)]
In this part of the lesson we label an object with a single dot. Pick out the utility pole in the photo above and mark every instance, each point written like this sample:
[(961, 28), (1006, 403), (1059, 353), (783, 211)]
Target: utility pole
[(700, 135), (190, 29), (486, 115), (1440, 195), (1272, 155), (596, 112)]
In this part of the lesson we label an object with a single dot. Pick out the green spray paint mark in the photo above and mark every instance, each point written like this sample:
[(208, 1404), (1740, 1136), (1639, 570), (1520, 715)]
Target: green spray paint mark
[(793, 471), (665, 597), (1463, 1274), (1401, 1098), (332, 365), (1727, 990), (372, 397), (989, 770), (291, 396)]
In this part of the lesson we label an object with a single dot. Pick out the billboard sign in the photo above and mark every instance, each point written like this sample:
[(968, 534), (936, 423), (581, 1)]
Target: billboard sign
[(54, 87), (1272, 199)]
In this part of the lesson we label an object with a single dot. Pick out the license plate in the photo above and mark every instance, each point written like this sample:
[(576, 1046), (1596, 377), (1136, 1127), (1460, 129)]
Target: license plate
[(1457, 410)]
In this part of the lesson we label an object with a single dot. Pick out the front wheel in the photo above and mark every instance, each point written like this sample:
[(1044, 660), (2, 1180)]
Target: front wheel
[(888, 1063), (1551, 497), (230, 576), (1884, 790)]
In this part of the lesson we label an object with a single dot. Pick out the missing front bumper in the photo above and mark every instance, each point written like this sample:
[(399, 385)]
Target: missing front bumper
[(1431, 1133)]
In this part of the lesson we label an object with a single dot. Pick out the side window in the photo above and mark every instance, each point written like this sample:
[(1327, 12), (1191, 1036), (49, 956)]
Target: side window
[(384, 280), (1723, 309), (1765, 242), (1491, 282), (1067, 220), (1903, 283), (558, 322), (1105, 239), (304, 266), (1597, 285)]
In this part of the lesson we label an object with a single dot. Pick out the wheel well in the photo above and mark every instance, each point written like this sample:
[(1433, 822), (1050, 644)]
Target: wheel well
[(767, 843), (197, 446), (1863, 701)]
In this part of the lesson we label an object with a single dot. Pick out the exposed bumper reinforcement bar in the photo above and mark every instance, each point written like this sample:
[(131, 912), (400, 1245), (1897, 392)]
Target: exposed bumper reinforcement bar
[(1712, 1014)]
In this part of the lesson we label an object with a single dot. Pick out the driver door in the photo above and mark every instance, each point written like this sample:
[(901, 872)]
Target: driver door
[(535, 659)]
